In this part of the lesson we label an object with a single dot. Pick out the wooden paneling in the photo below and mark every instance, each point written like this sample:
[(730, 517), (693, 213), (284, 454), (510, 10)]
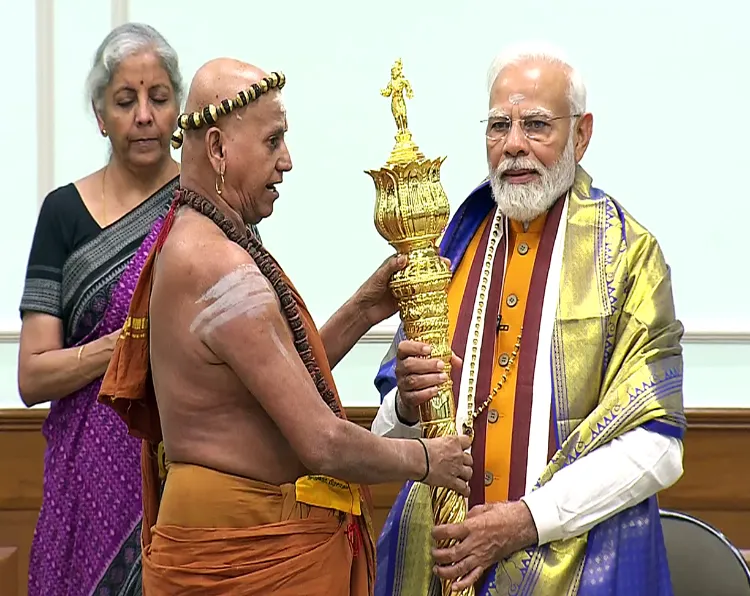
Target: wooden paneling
[(21, 468), (8, 571), (715, 486)]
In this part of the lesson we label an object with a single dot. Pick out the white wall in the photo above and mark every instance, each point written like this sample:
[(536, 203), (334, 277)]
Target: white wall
[(665, 80)]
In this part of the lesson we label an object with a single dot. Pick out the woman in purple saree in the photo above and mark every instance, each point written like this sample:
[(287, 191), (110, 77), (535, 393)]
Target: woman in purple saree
[(91, 241)]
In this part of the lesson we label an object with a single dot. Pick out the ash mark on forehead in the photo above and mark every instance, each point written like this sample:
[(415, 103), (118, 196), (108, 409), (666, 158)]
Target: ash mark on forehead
[(516, 98)]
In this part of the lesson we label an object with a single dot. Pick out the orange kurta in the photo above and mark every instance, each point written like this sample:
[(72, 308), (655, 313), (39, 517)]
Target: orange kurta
[(523, 243)]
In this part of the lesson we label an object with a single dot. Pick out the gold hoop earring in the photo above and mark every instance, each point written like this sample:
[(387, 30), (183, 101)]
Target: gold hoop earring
[(216, 184)]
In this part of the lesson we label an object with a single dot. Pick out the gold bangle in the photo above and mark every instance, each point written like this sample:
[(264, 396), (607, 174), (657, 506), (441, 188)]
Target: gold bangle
[(80, 351)]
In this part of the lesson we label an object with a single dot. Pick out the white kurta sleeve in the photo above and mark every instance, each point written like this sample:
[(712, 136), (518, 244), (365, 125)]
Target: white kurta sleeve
[(387, 424), (610, 479)]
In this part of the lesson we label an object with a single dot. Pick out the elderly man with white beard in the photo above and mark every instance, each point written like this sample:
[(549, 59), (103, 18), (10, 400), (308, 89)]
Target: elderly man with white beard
[(567, 369)]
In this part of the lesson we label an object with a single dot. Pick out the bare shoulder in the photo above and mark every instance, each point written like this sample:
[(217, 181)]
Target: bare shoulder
[(216, 275), (197, 252)]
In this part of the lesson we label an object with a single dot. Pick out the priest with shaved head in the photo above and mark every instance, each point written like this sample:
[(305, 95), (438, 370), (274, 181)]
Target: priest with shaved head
[(254, 481)]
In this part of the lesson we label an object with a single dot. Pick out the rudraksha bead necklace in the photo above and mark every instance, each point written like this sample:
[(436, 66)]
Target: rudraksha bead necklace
[(211, 113), (272, 272)]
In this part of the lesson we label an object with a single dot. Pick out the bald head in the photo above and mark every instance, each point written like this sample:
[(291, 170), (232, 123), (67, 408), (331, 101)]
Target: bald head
[(219, 79), (241, 156)]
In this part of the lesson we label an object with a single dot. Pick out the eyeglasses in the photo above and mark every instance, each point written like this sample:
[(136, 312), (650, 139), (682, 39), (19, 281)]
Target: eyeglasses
[(536, 128)]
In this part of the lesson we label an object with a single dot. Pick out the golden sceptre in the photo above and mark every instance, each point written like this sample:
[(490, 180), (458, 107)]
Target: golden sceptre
[(411, 212)]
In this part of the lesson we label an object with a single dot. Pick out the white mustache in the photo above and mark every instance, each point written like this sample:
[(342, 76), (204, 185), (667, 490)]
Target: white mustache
[(519, 163), (524, 202)]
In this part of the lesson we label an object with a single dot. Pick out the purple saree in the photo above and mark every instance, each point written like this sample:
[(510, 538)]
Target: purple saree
[(87, 538)]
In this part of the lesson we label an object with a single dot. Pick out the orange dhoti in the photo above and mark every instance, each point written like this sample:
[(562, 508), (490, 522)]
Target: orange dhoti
[(212, 533), (221, 534)]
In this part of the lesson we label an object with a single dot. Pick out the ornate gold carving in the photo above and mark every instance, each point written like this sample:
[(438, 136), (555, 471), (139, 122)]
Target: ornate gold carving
[(405, 151), (411, 212)]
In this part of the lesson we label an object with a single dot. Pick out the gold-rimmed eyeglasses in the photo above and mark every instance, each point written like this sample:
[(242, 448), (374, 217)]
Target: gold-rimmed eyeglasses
[(536, 127)]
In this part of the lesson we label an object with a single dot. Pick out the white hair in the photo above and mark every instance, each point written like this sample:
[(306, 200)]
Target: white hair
[(544, 52), (125, 41)]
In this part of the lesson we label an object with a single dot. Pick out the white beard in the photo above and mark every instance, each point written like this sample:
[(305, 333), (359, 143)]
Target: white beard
[(525, 202)]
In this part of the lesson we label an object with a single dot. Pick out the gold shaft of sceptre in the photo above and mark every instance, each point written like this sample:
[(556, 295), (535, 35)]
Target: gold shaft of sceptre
[(411, 212)]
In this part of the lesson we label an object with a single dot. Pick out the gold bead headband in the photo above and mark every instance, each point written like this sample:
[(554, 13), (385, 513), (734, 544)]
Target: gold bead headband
[(211, 113)]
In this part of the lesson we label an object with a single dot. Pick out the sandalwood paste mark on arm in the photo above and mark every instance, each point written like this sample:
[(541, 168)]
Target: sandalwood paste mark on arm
[(244, 291)]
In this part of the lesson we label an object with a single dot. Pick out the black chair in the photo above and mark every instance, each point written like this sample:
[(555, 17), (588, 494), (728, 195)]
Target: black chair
[(702, 562)]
